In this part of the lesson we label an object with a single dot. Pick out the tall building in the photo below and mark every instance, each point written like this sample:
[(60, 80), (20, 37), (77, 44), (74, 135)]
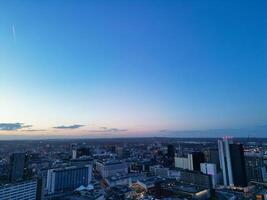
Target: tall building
[(212, 156), (68, 179), (171, 151), (254, 166), (210, 169), (22, 190), (171, 154), (16, 166), (232, 163), (194, 160)]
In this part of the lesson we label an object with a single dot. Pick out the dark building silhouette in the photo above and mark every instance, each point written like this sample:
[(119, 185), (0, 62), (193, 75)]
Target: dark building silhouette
[(195, 159), (171, 154), (238, 164), (82, 151), (16, 166)]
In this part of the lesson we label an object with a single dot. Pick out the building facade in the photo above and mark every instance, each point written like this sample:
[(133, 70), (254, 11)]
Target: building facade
[(181, 162), (111, 168), (254, 166), (24, 190), (232, 163), (194, 160), (210, 169), (16, 166), (68, 179)]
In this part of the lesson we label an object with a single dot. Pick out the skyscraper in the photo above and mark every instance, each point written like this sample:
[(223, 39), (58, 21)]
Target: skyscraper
[(212, 156), (171, 154), (16, 166), (194, 160), (232, 163)]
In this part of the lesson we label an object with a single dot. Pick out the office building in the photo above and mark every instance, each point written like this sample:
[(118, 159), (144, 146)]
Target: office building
[(171, 154), (210, 169), (196, 178), (232, 163), (158, 170), (212, 156), (22, 190), (194, 160), (181, 162), (68, 179), (254, 166), (111, 167), (16, 166)]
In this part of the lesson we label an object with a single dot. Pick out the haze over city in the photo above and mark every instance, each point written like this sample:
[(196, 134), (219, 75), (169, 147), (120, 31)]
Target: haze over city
[(132, 69)]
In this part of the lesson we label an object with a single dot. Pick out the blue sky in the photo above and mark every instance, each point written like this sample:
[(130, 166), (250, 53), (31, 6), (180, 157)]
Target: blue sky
[(128, 68)]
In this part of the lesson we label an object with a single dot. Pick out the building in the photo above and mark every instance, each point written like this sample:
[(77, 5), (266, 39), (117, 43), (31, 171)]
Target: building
[(16, 166), (23, 190), (210, 169), (82, 151), (194, 160), (171, 154), (232, 163), (254, 166), (120, 193), (212, 156), (181, 162), (111, 167), (68, 179), (122, 152), (172, 189), (126, 179), (196, 178), (158, 170)]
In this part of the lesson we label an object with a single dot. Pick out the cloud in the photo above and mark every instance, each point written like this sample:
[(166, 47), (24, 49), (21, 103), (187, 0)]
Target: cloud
[(34, 130), (108, 130), (13, 126), (74, 126), (14, 33)]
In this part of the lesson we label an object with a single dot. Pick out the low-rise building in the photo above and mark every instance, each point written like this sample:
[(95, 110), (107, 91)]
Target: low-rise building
[(111, 167), (23, 190)]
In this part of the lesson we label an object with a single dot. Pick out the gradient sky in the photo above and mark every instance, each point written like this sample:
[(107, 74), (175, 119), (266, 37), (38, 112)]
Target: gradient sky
[(132, 68)]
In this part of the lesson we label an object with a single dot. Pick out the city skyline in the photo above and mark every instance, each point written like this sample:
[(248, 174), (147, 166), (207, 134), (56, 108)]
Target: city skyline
[(133, 69)]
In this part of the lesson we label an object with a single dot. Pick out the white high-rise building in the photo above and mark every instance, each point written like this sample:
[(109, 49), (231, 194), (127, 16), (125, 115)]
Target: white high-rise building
[(225, 160)]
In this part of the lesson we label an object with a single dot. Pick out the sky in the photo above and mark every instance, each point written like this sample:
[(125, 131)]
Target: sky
[(119, 68)]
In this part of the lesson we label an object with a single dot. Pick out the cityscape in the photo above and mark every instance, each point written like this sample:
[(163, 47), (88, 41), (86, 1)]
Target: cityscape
[(134, 168), (133, 100)]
